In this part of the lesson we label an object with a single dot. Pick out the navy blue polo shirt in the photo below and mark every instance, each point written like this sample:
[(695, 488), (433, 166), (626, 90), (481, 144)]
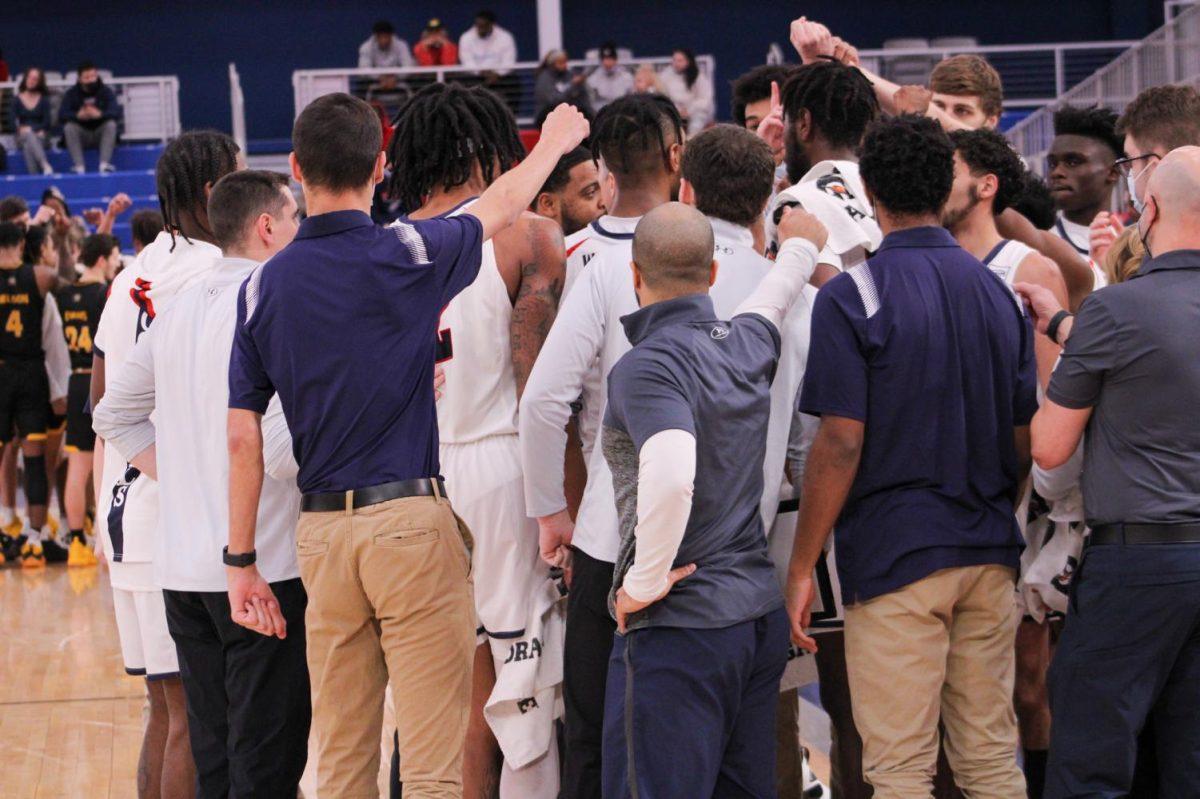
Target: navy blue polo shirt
[(931, 351), (343, 324), (688, 371)]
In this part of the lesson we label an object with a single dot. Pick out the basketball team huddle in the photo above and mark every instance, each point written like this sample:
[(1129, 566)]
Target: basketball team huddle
[(556, 457)]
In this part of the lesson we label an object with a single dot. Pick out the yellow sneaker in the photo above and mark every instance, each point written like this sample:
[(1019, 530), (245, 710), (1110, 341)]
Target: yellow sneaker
[(52, 523), (14, 528), (80, 554), (32, 556)]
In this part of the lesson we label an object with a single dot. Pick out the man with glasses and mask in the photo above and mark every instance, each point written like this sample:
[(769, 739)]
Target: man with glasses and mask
[(1157, 121), (1128, 383)]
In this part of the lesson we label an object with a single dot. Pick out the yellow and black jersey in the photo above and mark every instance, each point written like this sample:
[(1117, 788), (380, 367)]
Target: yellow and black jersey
[(21, 308), (80, 306)]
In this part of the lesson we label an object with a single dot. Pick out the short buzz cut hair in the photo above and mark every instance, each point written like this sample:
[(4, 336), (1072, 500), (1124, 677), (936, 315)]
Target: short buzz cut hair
[(238, 199), (732, 173), (970, 76), (11, 207), (95, 247), (673, 247), (560, 176), (1163, 117), (337, 139), (907, 165)]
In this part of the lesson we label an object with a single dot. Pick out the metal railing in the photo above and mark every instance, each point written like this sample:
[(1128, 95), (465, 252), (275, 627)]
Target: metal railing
[(390, 87), (237, 108), (1034, 75), (1170, 54), (150, 105)]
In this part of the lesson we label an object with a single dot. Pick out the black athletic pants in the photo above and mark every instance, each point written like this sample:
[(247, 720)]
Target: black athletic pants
[(586, 650), (248, 701)]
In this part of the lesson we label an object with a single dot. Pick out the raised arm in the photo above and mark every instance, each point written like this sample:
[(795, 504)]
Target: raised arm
[(785, 282), (502, 203)]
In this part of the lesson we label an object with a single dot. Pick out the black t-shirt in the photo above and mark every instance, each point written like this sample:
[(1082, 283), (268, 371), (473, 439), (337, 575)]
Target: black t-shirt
[(21, 307), (80, 306)]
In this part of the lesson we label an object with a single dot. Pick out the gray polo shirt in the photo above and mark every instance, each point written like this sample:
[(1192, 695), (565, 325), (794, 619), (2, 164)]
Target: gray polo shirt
[(688, 371), (1134, 358)]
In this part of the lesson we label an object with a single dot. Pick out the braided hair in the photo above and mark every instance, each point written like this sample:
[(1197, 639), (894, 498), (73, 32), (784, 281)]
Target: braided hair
[(188, 163), (839, 99), (442, 133), (634, 134)]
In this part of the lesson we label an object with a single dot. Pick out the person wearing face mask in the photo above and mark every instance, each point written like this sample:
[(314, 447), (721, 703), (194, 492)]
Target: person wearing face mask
[(89, 115), (1128, 385)]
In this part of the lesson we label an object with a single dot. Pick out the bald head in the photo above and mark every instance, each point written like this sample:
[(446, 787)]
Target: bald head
[(673, 249), (1172, 217)]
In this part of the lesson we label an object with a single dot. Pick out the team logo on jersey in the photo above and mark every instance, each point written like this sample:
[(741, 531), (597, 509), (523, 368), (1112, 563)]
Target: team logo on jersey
[(587, 257), (526, 705), (719, 333), (140, 294), (835, 186), (524, 650), (12, 280)]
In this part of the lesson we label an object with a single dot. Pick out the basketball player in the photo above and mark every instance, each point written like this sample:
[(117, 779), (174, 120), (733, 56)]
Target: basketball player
[(825, 108), (571, 195), (127, 504), (755, 96), (81, 305), (988, 176), (1081, 173), (489, 337), (24, 385)]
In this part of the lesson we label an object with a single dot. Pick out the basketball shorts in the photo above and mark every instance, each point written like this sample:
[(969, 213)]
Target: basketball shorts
[(80, 436), (146, 645), (24, 400), (486, 487)]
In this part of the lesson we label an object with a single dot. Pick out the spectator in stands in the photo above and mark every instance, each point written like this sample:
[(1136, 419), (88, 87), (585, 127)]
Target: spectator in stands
[(384, 49), (556, 83), (647, 81), (31, 117), (435, 49), (571, 196), (691, 92), (610, 80), (144, 227), (90, 114), (492, 50), (968, 88)]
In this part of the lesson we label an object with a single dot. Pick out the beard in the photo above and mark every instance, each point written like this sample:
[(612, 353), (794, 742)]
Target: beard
[(954, 217), (572, 224), (797, 160)]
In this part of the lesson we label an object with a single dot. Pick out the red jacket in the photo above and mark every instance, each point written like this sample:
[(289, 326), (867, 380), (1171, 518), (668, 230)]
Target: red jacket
[(446, 55)]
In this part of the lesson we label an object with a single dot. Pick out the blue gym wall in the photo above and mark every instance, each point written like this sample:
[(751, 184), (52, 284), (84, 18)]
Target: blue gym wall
[(268, 39)]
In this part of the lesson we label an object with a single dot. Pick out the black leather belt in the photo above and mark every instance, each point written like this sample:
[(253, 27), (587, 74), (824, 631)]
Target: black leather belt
[(362, 497), (1144, 534)]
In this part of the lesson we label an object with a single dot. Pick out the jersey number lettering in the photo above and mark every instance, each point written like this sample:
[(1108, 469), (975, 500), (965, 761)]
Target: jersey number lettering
[(13, 325), (79, 339)]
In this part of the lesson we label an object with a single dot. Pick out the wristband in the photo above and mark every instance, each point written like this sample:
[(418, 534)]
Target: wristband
[(238, 561), (1055, 322)]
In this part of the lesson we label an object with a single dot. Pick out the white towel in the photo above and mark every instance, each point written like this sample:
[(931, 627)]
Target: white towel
[(527, 696)]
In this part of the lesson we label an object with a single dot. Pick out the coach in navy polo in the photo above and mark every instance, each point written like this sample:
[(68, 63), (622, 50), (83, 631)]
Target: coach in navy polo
[(342, 324), (921, 368), (684, 434)]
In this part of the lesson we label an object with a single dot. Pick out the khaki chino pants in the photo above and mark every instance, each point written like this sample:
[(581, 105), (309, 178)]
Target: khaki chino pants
[(389, 593), (940, 647)]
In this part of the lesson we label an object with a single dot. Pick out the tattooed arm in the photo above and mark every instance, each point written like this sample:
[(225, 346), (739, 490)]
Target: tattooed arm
[(531, 251)]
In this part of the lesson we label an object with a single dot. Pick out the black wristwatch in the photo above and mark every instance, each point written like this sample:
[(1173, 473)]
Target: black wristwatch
[(1055, 322), (240, 561)]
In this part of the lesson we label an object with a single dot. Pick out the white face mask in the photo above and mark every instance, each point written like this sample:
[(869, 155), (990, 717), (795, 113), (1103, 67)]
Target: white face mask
[(1131, 185)]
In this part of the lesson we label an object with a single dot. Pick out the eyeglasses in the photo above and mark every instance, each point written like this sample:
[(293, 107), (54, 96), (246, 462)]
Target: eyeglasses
[(1126, 165)]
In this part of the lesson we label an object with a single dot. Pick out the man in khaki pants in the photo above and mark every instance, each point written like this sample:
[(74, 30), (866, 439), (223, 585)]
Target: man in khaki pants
[(343, 325), (921, 368)]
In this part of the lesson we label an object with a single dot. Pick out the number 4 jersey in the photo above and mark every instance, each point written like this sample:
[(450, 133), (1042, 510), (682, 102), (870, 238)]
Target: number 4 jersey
[(21, 309)]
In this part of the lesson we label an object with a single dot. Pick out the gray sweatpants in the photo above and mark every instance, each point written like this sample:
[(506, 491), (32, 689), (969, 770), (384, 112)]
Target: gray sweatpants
[(103, 137)]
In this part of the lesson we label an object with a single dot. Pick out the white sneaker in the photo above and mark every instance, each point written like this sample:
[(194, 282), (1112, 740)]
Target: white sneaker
[(106, 168), (78, 170), (47, 170)]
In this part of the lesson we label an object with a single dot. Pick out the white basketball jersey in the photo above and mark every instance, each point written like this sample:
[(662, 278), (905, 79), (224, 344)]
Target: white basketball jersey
[(474, 348), (1005, 259)]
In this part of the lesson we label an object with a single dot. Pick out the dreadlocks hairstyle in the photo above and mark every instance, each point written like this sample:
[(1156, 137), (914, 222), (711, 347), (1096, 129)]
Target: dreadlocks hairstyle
[(634, 134), (1094, 123), (442, 133), (195, 159), (839, 99)]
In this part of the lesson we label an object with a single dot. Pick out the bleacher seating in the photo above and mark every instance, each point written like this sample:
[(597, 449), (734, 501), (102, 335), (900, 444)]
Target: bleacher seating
[(134, 176)]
